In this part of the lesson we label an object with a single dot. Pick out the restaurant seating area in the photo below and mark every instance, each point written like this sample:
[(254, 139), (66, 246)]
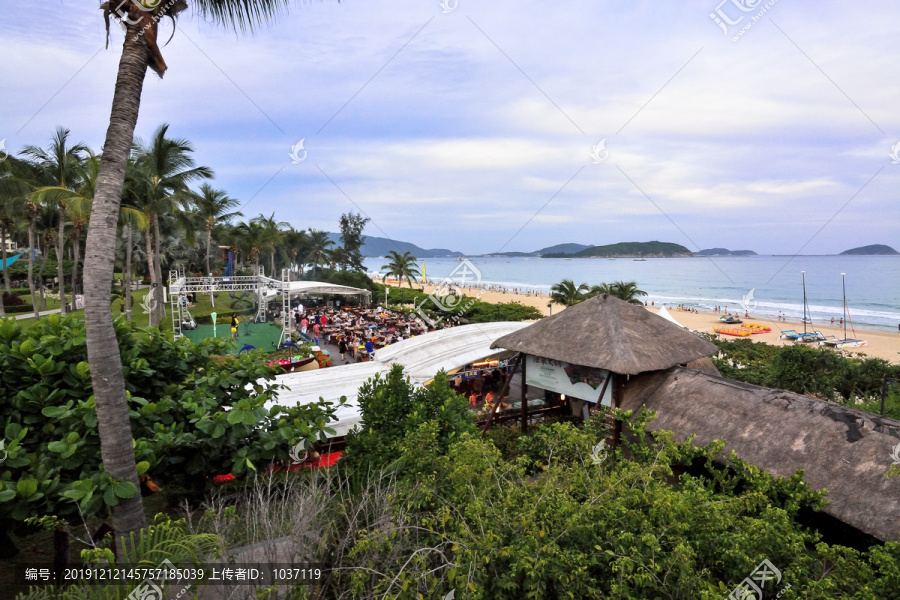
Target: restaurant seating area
[(355, 325)]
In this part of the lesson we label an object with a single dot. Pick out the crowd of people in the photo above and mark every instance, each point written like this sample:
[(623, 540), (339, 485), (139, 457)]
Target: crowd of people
[(357, 331)]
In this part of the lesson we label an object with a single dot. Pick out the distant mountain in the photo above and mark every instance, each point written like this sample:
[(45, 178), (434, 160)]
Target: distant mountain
[(629, 250), (874, 249), (725, 252), (379, 246), (565, 248)]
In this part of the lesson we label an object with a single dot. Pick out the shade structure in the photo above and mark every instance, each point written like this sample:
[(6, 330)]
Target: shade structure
[(665, 314), (607, 333), (421, 356), (321, 287)]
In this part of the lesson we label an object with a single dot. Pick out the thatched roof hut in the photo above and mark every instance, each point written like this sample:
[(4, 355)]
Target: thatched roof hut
[(843, 450), (607, 333)]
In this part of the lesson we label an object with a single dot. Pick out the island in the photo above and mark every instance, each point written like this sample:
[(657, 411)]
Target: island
[(871, 250), (654, 249), (725, 252)]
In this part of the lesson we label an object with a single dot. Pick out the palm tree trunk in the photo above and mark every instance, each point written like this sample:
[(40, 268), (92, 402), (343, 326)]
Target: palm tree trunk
[(160, 305), (272, 262), (76, 248), (46, 252), (5, 269), (114, 425), (60, 246), (128, 274), (31, 267), (212, 297), (148, 245)]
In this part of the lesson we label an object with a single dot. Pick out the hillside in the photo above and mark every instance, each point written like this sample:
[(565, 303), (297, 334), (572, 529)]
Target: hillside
[(379, 246), (725, 252), (565, 248), (871, 250), (652, 249)]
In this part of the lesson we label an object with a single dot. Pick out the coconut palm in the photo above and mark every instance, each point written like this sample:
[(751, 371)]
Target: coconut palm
[(212, 207), (16, 186), (401, 265), (294, 243), (167, 167), (103, 351), (319, 246), (567, 293), (61, 164), (274, 232), (252, 238), (623, 290)]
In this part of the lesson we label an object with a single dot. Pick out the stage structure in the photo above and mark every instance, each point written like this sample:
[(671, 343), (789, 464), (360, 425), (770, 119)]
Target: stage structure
[(263, 288)]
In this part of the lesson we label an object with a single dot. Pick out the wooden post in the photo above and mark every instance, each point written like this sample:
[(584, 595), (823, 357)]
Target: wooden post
[(498, 401), (524, 398), (611, 423), (602, 393)]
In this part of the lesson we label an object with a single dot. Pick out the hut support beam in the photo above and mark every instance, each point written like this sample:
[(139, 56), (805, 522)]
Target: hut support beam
[(525, 398), (499, 400)]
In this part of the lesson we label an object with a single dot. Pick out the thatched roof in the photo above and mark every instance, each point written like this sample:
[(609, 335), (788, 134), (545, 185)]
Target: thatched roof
[(844, 450), (608, 333)]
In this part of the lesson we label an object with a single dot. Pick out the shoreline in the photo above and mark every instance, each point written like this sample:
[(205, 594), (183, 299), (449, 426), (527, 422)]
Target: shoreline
[(881, 344)]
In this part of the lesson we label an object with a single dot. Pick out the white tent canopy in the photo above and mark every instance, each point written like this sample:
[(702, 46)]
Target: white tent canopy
[(320, 287), (421, 356), (665, 314)]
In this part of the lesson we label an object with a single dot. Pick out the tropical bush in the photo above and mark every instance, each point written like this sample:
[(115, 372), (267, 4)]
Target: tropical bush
[(570, 519), (191, 416), (813, 371)]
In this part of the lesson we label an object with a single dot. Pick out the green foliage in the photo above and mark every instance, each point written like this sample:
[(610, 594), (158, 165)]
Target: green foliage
[(554, 523), (814, 371), (391, 407), (164, 540), (467, 307), (191, 416)]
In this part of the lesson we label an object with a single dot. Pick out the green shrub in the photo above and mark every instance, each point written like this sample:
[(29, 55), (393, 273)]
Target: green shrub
[(191, 416)]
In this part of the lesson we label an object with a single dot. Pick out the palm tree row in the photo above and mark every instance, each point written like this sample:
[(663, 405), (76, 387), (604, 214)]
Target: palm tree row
[(568, 294), (46, 197)]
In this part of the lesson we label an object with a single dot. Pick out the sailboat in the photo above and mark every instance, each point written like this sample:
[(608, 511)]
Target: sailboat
[(845, 342), (806, 336)]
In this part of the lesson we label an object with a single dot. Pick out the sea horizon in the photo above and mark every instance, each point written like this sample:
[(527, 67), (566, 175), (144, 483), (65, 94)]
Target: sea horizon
[(873, 282)]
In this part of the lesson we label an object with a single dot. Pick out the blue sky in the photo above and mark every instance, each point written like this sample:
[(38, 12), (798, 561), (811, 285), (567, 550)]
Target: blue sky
[(473, 129)]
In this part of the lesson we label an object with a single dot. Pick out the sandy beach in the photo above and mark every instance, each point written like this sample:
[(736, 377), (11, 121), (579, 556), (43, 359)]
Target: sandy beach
[(881, 344)]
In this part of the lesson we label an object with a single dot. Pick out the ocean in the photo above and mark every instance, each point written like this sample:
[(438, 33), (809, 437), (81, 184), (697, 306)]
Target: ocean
[(873, 282)]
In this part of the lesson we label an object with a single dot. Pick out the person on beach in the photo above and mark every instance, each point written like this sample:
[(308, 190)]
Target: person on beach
[(832, 320)]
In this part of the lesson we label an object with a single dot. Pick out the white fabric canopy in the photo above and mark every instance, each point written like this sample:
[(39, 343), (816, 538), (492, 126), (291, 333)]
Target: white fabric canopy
[(667, 316), (421, 356), (320, 287)]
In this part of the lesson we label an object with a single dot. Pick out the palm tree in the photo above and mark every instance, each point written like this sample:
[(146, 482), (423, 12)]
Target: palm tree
[(628, 291), (167, 168), (253, 237), (566, 293), (274, 231), (212, 206), (61, 164), (294, 243), (18, 181), (598, 290), (103, 350), (319, 245), (401, 265)]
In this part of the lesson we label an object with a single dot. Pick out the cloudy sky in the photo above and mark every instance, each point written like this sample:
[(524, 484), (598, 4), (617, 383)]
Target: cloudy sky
[(476, 126)]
